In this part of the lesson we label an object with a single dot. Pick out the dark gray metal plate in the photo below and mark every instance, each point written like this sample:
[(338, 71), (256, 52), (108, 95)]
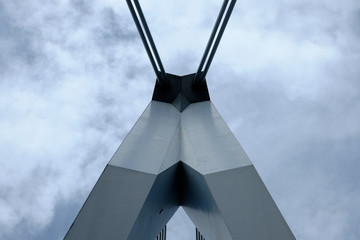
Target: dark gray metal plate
[(180, 91)]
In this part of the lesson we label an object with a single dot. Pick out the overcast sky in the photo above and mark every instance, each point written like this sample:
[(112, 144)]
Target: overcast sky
[(74, 78)]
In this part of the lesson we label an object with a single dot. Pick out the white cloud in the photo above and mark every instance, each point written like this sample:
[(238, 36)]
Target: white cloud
[(74, 79)]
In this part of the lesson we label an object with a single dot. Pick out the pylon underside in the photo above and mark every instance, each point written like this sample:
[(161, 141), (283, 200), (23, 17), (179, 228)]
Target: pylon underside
[(180, 153), (171, 159)]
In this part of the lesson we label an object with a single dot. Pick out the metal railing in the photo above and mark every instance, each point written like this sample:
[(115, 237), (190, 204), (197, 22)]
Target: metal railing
[(198, 235), (162, 234)]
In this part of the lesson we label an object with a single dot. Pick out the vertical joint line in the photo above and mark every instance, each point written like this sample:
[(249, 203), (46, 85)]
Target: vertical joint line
[(211, 45)]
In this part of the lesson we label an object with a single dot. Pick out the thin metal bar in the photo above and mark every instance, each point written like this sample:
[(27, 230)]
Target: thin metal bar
[(222, 29), (211, 40), (161, 75), (200, 75), (148, 33), (143, 38)]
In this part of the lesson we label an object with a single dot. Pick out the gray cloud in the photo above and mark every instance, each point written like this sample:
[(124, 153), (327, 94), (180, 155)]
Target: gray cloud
[(75, 77)]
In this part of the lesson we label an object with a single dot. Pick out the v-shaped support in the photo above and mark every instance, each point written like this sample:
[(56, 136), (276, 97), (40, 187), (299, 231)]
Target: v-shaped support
[(210, 50), (179, 153), (172, 158)]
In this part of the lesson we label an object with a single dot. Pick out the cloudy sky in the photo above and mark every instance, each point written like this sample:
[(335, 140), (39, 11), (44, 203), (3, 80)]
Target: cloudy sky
[(74, 78)]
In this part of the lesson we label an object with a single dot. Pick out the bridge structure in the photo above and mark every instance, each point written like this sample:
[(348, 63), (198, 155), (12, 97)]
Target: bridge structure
[(180, 152)]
